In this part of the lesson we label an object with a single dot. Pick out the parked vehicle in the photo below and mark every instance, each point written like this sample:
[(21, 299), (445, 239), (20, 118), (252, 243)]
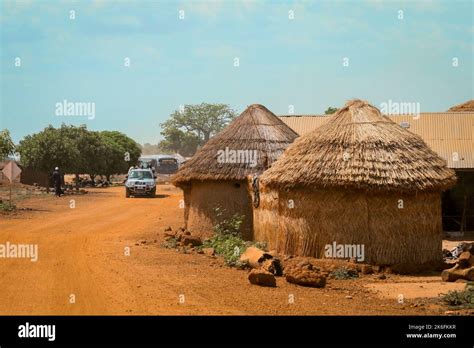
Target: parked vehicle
[(160, 164), (140, 182)]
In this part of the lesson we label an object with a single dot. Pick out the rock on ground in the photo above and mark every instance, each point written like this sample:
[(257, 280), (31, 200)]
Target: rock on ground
[(191, 240), (273, 266), (254, 257), (262, 278)]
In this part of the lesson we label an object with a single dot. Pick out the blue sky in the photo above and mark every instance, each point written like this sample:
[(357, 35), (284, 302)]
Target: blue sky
[(177, 61)]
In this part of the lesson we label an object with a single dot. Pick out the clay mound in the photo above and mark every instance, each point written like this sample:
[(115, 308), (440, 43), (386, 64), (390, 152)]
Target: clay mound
[(305, 274)]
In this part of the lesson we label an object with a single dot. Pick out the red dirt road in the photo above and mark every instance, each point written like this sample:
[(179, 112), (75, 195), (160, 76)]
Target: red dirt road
[(82, 253)]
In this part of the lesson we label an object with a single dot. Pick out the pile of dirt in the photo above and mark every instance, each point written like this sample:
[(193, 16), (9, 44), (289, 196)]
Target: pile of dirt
[(330, 265), (182, 237), (305, 274)]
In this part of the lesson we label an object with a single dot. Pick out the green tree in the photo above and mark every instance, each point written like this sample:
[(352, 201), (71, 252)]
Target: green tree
[(91, 148), (48, 149), (177, 141), (193, 126), (330, 110), (76, 150), (7, 147), (121, 152)]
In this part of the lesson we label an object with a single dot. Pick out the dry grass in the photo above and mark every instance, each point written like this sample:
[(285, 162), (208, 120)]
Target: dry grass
[(401, 237), (265, 217), (359, 148), (464, 107), (358, 179), (257, 128)]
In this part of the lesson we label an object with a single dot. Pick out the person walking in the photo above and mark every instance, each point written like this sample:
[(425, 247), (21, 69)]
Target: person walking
[(57, 182)]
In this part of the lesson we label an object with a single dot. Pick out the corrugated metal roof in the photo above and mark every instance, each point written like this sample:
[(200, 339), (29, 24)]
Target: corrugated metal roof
[(450, 134)]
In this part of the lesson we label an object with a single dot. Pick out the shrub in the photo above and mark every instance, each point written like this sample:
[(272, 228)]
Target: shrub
[(170, 243), (7, 206), (459, 298), (228, 246), (227, 240), (228, 226)]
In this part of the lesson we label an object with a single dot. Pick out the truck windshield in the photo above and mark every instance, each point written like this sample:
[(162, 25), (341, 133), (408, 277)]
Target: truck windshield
[(140, 174)]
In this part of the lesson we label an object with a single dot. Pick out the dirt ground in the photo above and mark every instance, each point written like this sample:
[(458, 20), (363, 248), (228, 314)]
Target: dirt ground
[(82, 255)]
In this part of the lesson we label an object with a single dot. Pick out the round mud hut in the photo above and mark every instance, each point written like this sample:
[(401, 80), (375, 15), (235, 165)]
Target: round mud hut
[(217, 175), (358, 180)]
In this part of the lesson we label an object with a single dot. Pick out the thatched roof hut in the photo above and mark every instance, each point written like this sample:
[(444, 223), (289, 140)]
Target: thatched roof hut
[(358, 179), (216, 176), (464, 107)]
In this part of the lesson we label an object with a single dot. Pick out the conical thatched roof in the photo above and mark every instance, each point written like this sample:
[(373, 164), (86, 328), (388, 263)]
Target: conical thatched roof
[(362, 149), (256, 129), (467, 106)]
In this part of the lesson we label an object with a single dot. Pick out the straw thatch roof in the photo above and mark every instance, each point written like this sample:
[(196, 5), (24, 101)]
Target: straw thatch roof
[(467, 106), (257, 128), (362, 149)]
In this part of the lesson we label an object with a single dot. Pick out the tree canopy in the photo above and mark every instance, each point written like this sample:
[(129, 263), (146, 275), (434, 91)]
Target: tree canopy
[(7, 147), (120, 152), (330, 110), (193, 126), (77, 150)]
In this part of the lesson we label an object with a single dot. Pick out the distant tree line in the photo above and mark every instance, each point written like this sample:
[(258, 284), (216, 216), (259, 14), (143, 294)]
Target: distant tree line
[(77, 150), (191, 126)]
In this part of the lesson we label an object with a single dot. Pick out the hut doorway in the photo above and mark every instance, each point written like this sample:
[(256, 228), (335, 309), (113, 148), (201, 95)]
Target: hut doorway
[(458, 204)]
